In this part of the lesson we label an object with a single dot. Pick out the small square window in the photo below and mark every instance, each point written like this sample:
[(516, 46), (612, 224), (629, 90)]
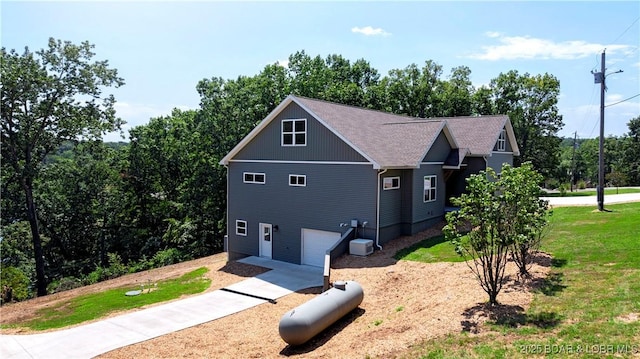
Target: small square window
[(391, 183), (241, 227), (298, 180), (294, 132)]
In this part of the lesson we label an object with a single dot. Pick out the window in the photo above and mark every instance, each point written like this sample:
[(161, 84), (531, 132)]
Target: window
[(297, 180), (241, 227), (502, 141), (390, 183), (250, 177), (294, 132), (430, 188)]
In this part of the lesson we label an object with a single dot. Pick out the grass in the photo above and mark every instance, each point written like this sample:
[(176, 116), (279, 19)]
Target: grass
[(581, 193), (582, 306), (93, 306), (430, 250)]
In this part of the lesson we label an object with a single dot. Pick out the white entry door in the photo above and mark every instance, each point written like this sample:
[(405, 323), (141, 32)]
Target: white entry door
[(266, 243)]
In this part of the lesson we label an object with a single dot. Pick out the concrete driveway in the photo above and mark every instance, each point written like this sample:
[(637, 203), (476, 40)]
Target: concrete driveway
[(592, 200), (87, 341)]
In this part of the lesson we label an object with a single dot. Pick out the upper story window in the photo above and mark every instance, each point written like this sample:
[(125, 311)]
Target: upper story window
[(502, 141), (430, 183), (390, 183), (251, 177), (297, 180), (294, 132)]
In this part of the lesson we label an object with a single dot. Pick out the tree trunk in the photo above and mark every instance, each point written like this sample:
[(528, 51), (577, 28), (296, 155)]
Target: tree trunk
[(41, 283)]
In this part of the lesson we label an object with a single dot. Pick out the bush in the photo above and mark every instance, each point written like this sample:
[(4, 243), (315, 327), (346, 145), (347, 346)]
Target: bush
[(582, 184), (167, 257), (63, 284), (14, 284)]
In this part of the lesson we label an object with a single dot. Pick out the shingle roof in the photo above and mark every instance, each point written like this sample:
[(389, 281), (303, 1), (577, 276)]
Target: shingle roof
[(479, 133), (392, 141)]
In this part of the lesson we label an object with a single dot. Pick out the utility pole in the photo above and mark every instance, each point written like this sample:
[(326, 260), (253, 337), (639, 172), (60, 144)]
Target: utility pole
[(573, 162), (599, 77), (601, 142)]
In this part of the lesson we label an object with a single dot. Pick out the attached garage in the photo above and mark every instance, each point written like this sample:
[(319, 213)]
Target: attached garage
[(315, 244)]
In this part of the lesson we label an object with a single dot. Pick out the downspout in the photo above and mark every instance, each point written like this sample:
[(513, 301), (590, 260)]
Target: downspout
[(378, 210), (226, 216)]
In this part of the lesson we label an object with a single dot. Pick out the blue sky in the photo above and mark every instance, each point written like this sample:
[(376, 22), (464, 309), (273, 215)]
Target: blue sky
[(162, 49)]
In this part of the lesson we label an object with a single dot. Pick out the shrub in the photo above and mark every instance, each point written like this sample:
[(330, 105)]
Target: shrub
[(65, 283), (14, 284)]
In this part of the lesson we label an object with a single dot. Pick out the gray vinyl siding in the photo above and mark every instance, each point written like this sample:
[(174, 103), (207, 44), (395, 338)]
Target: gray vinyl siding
[(439, 151), (321, 143), (333, 194), (496, 160), (404, 212)]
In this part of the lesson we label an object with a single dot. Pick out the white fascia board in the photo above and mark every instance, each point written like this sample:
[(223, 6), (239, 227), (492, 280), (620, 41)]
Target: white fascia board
[(512, 137), (443, 124), (375, 164), (225, 160)]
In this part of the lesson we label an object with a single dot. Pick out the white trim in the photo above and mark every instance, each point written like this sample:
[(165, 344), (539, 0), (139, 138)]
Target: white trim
[(303, 162), (384, 183), (297, 177), (293, 132), (273, 114), (238, 233), (376, 165), (432, 163), (254, 174), (501, 144), (502, 152)]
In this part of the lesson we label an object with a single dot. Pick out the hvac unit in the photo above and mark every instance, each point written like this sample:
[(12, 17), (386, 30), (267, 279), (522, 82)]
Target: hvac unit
[(361, 247)]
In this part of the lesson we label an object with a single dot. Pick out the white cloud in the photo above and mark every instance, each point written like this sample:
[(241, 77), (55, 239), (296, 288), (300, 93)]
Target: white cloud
[(492, 34), (370, 31), (525, 47)]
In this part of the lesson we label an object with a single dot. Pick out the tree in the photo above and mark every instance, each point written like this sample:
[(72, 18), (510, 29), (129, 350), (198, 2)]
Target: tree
[(498, 216), (526, 214), (531, 103), (49, 97)]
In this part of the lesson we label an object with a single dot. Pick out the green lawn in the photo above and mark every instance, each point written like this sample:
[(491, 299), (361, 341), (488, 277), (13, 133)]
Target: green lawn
[(582, 193), (430, 250), (587, 304), (97, 305)]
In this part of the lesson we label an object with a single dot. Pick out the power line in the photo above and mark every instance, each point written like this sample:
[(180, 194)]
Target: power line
[(626, 99), (625, 31)]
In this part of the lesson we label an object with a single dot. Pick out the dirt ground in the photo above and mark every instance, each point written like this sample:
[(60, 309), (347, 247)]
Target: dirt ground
[(404, 303)]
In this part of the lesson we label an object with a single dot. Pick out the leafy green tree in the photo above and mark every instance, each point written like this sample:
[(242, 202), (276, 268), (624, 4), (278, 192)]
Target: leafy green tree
[(498, 216), (531, 103), (631, 152), (484, 246), (457, 93), (525, 213), (49, 97)]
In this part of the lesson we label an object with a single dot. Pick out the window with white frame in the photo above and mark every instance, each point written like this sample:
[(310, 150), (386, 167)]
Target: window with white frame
[(241, 227), (430, 183), (253, 177), (297, 180), (294, 132), (502, 141), (390, 183)]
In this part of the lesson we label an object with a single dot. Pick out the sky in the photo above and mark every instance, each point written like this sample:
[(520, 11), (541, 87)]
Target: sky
[(163, 48)]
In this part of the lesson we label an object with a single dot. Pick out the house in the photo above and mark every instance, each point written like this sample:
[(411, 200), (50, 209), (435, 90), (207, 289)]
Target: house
[(314, 174)]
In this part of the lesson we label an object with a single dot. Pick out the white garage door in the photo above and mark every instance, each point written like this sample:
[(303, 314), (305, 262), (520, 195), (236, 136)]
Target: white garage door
[(315, 244)]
